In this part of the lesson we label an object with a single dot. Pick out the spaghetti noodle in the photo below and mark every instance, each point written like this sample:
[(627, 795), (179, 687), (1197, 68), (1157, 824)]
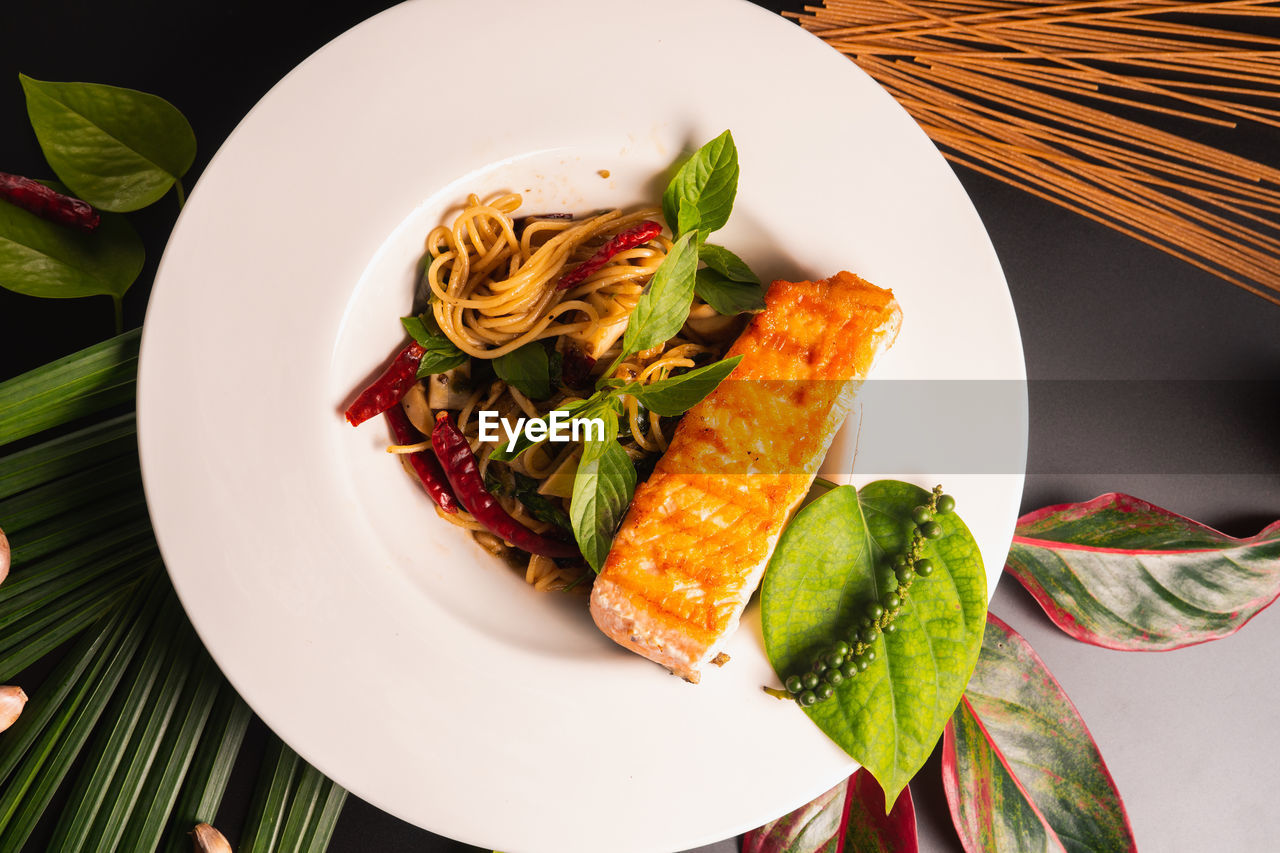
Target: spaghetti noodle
[(492, 285)]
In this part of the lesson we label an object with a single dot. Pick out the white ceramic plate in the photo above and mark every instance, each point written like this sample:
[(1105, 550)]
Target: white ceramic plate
[(383, 645)]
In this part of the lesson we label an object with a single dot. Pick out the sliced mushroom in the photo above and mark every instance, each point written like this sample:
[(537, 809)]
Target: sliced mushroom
[(450, 390), (560, 483), (417, 410), (595, 342)]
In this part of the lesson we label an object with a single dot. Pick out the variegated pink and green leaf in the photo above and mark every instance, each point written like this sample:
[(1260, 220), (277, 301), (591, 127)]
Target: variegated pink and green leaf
[(849, 818), (869, 829), (1020, 769), (1122, 573)]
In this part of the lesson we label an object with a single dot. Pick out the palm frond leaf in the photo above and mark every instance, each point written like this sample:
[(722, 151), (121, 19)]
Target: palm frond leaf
[(133, 722)]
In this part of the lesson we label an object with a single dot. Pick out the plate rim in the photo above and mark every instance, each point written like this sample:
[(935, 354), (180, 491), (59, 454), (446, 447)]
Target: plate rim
[(263, 105)]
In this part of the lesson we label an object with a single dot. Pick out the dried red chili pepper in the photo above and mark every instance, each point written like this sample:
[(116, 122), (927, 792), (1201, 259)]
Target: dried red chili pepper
[(629, 239), (47, 203), (463, 471), (389, 388), (424, 462)]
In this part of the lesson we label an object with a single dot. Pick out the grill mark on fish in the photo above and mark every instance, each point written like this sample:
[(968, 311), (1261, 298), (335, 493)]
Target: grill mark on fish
[(700, 531)]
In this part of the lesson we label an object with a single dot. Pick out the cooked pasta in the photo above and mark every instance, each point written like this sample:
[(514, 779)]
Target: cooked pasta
[(492, 284)]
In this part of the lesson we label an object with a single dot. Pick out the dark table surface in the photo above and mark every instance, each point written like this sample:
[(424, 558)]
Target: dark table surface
[(1190, 736)]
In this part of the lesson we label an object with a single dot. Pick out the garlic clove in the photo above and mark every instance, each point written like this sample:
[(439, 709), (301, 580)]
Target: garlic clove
[(4, 557), (12, 701), (206, 839)]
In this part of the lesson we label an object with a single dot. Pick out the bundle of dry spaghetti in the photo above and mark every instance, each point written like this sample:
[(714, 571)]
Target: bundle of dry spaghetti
[(1071, 101)]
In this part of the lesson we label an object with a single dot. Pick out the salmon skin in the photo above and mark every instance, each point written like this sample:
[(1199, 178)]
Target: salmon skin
[(701, 529)]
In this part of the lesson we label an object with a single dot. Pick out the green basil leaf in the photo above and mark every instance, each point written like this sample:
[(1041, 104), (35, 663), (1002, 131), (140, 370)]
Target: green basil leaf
[(539, 505), (664, 306), (526, 368), (441, 353), (726, 263), (42, 258), (726, 296), (700, 196), (820, 579), (602, 491), (678, 394), (117, 149)]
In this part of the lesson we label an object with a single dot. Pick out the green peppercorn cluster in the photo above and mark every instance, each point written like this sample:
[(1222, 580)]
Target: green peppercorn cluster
[(846, 658)]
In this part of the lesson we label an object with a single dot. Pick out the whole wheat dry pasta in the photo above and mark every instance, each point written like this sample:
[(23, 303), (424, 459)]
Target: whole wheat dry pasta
[(1048, 97)]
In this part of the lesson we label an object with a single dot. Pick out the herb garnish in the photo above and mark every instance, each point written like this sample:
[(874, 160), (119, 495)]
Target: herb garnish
[(678, 394), (727, 284), (527, 369), (699, 198), (700, 195), (697, 202), (602, 491), (441, 353)]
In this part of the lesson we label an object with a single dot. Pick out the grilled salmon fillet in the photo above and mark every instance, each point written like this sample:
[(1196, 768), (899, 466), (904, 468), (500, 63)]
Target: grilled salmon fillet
[(701, 529)]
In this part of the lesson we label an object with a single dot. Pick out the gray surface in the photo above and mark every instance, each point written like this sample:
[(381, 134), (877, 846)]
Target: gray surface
[(1191, 736)]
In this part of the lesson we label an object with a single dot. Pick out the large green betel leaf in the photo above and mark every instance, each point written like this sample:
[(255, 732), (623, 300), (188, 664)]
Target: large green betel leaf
[(117, 149), (890, 716), (1020, 769)]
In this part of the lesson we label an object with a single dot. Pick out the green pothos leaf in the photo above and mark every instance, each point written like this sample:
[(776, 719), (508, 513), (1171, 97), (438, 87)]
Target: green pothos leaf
[(821, 577), (42, 258), (117, 149), (1020, 769)]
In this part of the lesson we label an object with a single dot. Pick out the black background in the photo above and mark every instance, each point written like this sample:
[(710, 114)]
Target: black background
[(1091, 304)]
